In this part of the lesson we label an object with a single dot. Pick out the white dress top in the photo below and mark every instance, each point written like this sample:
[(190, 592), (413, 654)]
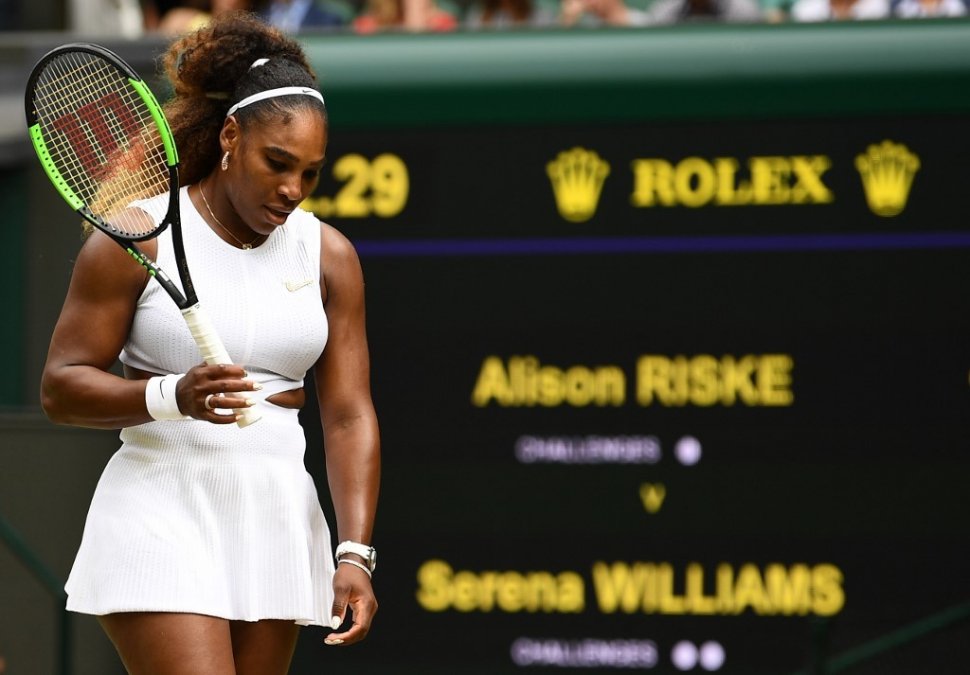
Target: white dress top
[(195, 517)]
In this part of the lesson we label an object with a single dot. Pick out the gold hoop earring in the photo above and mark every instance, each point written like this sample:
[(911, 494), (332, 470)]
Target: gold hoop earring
[(225, 161)]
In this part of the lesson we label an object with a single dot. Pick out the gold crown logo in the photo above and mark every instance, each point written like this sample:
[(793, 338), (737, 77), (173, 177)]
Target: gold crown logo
[(887, 171), (577, 178)]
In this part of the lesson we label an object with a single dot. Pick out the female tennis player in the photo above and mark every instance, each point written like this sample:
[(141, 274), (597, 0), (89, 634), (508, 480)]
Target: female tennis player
[(205, 546)]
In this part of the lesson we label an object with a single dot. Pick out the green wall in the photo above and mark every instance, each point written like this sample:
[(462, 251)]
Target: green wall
[(680, 72), (14, 208)]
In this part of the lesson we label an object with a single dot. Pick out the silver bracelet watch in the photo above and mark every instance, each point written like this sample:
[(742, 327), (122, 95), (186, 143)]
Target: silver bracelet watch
[(368, 553)]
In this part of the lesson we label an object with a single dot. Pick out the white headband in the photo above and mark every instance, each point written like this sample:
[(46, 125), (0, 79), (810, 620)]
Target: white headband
[(272, 93)]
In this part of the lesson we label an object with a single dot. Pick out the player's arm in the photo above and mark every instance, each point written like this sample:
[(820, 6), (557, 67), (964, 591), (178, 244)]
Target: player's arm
[(350, 430), (76, 387)]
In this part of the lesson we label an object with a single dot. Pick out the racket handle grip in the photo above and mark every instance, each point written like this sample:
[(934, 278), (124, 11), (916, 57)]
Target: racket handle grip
[(214, 352)]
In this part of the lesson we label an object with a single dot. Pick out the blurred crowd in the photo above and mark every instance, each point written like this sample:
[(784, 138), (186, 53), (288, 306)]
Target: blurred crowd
[(133, 18)]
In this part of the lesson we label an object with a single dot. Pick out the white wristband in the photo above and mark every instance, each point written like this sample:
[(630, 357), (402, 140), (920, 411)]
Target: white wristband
[(160, 398), (347, 561)]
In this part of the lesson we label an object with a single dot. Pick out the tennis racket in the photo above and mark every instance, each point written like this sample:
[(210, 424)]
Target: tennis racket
[(107, 148)]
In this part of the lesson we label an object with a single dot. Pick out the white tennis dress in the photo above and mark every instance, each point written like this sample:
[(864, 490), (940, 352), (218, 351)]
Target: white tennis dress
[(195, 517)]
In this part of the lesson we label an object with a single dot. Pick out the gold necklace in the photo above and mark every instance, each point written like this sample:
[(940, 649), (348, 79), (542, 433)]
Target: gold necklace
[(245, 246)]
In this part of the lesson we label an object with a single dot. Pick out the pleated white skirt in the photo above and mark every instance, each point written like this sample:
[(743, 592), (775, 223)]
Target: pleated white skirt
[(208, 519)]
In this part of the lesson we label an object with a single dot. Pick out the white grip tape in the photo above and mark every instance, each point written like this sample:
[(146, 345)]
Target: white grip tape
[(214, 352), (160, 398)]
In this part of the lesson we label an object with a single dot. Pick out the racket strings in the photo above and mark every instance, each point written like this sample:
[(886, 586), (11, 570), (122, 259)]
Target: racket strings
[(103, 141)]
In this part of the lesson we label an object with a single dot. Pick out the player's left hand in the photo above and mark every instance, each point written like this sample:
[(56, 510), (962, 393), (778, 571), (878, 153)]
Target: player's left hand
[(352, 589)]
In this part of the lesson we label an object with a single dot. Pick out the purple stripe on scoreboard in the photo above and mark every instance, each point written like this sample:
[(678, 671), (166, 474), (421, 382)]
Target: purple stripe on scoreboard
[(397, 248)]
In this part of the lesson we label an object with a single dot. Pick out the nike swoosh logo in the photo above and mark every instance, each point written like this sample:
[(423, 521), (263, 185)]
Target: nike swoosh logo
[(297, 285)]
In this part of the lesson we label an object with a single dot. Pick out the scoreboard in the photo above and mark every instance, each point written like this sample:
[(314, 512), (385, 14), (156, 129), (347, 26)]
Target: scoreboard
[(667, 395)]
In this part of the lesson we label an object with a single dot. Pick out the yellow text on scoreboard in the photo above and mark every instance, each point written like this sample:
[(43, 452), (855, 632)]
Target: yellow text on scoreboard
[(703, 380), (640, 587), (369, 187)]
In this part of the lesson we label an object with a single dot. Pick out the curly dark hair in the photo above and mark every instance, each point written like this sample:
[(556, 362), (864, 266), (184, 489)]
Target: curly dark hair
[(211, 69)]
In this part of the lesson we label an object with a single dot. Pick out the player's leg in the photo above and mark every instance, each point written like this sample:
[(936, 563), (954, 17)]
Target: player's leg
[(163, 643), (263, 647)]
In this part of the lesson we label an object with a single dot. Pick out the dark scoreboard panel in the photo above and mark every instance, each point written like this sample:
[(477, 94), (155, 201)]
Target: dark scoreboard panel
[(671, 398)]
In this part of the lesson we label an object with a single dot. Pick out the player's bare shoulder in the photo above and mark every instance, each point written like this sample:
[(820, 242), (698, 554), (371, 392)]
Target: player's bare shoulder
[(336, 247), (103, 258), (340, 267)]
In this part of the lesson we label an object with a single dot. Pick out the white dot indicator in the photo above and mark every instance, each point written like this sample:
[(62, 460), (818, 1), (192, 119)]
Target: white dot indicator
[(684, 655), (712, 655), (688, 451)]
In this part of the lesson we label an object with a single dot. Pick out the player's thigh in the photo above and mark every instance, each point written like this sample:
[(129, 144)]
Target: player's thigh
[(164, 643), (263, 647)]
